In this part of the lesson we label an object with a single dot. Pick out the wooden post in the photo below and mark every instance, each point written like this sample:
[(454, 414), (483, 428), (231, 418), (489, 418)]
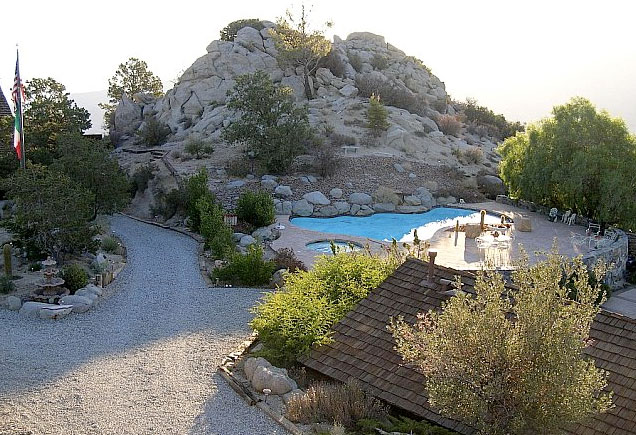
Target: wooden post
[(483, 218)]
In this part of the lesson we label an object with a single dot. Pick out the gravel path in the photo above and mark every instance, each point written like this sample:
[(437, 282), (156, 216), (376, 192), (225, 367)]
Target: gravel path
[(142, 362)]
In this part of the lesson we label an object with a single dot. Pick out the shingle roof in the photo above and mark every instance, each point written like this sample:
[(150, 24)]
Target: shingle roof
[(362, 348), (5, 110)]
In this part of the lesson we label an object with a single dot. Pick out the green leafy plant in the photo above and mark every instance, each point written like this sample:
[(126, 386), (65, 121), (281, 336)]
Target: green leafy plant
[(110, 245), (403, 425), (141, 177), (494, 125), (247, 269), (256, 208), (291, 320), (170, 203), (8, 263), (75, 277), (217, 235), (196, 187)]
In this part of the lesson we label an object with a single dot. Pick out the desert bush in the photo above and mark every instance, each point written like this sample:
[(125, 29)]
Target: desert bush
[(289, 321), (404, 425), (170, 203), (355, 61), (330, 402), (391, 93), (196, 187), (110, 245), (449, 125), (386, 195), (238, 168), (216, 234), (176, 154), (6, 285), (228, 33), (286, 259), (249, 269), (379, 62), (481, 130), (377, 116), (141, 177), (153, 133), (326, 162), (197, 147), (334, 63), (75, 277), (338, 139), (473, 155), (496, 125), (256, 208)]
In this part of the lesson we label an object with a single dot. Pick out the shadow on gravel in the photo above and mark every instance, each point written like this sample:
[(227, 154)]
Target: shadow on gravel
[(159, 295)]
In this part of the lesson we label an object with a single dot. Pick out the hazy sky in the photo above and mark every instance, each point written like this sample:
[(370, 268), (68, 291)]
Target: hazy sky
[(519, 58)]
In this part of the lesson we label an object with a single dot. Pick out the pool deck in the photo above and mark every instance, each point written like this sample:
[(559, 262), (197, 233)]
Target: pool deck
[(455, 252)]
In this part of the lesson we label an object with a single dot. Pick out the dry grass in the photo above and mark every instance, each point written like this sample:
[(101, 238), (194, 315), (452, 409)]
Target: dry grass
[(334, 403), (449, 125)]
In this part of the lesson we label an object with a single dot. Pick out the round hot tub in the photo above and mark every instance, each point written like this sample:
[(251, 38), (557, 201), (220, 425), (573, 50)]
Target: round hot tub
[(325, 246)]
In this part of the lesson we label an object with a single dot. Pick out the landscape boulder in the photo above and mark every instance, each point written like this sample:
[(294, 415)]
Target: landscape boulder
[(328, 211), (246, 241), (335, 193), (491, 185), (278, 278), (54, 312), (316, 198), (235, 184), (446, 200), (283, 207), (79, 304), (412, 200), (302, 208), (263, 233), (384, 207), (364, 210), (269, 184), (283, 191), (251, 364), (360, 198), (31, 309), (272, 378), (87, 294), (343, 207), (425, 196), (14, 303)]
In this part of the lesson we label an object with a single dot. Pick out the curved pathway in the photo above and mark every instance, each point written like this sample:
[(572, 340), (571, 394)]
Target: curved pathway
[(142, 362)]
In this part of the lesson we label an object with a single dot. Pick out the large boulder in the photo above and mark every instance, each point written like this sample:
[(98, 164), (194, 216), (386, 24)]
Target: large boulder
[(272, 378), (55, 312), (425, 196), (263, 233), (335, 193), (14, 303), (302, 208), (127, 117), (269, 184), (360, 198), (283, 191), (328, 211), (251, 364), (316, 198), (491, 185), (412, 200), (343, 207), (32, 309), (364, 210), (249, 38), (79, 304), (246, 241), (283, 207), (384, 207)]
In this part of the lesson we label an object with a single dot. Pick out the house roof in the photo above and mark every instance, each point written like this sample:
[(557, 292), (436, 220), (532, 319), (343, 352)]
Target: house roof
[(5, 110), (363, 349)]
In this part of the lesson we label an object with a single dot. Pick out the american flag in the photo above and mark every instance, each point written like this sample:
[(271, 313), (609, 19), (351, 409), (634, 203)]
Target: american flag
[(18, 97)]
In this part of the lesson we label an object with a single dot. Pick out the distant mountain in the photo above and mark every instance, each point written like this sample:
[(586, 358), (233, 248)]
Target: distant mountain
[(90, 101)]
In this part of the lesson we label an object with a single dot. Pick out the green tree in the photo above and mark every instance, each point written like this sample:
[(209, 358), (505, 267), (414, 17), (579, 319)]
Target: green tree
[(9, 162), (197, 188), (131, 77), (511, 361), (228, 33), (376, 116), (88, 164), (49, 112), (53, 212), (270, 125), (198, 147), (298, 45), (579, 159)]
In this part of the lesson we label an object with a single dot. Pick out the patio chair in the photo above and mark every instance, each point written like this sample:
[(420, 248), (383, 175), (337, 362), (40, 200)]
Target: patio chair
[(572, 219), (566, 216), (593, 228), (554, 214)]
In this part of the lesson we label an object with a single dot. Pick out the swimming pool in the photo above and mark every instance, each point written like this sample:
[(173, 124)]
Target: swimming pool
[(324, 246), (385, 226)]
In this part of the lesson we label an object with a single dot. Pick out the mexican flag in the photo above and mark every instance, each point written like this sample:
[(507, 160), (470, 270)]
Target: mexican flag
[(18, 98)]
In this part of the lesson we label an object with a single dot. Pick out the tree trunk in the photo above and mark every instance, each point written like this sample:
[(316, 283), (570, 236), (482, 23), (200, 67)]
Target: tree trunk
[(309, 92)]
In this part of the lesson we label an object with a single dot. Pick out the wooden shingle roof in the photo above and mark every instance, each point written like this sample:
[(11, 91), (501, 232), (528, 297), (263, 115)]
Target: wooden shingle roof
[(363, 349), (5, 110)]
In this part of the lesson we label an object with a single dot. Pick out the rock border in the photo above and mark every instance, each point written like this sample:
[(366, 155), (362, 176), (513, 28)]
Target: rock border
[(242, 387)]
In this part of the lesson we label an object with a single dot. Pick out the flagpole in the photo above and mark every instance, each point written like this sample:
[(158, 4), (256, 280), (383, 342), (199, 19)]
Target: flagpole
[(18, 99)]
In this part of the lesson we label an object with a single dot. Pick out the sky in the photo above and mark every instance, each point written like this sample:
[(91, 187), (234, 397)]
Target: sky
[(519, 58)]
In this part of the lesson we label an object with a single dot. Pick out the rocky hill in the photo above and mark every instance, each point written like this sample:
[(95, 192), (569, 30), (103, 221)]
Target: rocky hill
[(416, 100)]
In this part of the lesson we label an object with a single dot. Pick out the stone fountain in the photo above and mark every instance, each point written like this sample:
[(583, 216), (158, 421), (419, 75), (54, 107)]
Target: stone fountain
[(50, 287)]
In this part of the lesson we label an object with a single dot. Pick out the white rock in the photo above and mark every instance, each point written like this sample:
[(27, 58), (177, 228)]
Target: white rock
[(235, 184), (412, 200), (55, 312), (343, 207), (31, 309), (317, 198), (87, 293), (360, 198), (269, 184), (247, 240), (251, 364), (349, 91), (384, 207), (249, 38), (263, 234), (273, 379)]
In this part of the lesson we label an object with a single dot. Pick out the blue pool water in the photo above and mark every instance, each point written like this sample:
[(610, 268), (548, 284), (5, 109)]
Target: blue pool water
[(385, 226), (324, 246)]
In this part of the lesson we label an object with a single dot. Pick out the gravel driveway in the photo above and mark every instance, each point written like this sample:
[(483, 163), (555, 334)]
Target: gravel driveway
[(142, 362)]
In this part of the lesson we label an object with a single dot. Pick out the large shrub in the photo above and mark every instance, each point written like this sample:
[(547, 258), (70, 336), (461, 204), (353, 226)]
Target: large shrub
[(256, 208), (391, 93), (74, 277), (449, 125), (198, 147), (290, 320), (495, 125), (196, 187), (217, 234), (270, 124), (579, 159), (247, 269), (376, 116), (141, 177), (153, 133), (228, 33)]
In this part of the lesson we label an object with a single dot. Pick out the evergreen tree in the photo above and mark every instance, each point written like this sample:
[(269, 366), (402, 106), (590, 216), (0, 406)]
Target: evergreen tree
[(377, 116)]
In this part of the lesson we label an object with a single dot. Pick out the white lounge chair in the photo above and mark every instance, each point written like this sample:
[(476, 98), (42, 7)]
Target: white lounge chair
[(572, 219), (566, 216), (554, 214)]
